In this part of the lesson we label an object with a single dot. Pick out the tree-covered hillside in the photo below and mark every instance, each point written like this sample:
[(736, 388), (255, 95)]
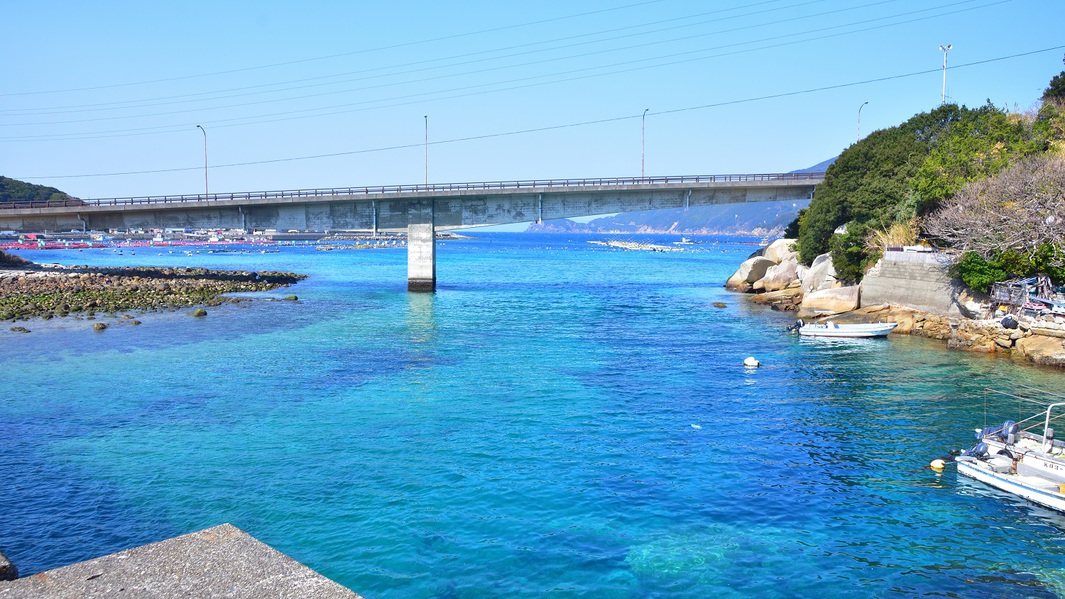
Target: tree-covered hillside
[(13, 190), (889, 181)]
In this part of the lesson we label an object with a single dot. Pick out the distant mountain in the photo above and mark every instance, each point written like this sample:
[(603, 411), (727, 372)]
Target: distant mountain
[(820, 167), (758, 219), (13, 190)]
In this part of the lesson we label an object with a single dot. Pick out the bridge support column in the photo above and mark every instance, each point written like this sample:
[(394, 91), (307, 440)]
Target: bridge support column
[(421, 247)]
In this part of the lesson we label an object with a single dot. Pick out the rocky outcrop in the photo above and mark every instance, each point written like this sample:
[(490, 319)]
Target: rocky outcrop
[(938, 308), (781, 276), (785, 300), (781, 250), (830, 301), (1049, 351), (750, 272), (821, 275), (56, 291), (772, 269)]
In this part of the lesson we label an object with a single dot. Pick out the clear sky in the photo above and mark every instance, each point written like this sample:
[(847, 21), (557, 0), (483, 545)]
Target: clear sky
[(102, 99)]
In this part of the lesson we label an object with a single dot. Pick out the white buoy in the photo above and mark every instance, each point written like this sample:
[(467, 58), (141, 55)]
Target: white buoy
[(937, 464), (697, 427), (750, 362)]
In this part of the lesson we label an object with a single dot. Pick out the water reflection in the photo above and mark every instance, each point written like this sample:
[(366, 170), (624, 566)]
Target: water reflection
[(421, 324)]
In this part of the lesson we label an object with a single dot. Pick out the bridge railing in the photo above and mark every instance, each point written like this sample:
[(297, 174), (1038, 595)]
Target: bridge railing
[(433, 188)]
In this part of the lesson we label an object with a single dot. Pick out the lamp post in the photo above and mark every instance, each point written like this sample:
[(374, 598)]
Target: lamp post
[(945, 49), (426, 151), (860, 119), (204, 160), (643, 140)]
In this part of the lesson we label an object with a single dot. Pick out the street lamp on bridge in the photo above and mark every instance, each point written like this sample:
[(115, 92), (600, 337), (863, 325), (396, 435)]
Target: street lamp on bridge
[(643, 139), (204, 160), (426, 151)]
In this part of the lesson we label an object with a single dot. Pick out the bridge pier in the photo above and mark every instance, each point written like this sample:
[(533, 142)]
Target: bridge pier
[(421, 247)]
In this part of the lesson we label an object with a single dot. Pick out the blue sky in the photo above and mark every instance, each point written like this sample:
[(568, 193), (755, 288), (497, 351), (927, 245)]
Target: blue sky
[(102, 99)]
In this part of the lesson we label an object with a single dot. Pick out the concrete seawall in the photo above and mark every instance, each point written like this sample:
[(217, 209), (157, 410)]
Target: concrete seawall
[(222, 561), (920, 280)]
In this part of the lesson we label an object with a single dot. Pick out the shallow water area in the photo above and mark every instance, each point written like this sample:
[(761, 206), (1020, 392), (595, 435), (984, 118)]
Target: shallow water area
[(559, 417)]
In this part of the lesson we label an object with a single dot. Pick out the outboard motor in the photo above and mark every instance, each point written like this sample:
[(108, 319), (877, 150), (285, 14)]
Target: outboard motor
[(978, 451), (1009, 432)]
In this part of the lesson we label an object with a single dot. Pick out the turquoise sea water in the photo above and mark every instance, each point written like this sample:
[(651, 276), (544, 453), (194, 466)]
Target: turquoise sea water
[(558, 419)]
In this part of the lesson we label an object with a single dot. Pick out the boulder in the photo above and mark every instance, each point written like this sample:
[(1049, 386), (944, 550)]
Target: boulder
[(750, 271), (831, 301), (821, 275), (1049, 351), (780, 276), (780, 250), (783, 300)]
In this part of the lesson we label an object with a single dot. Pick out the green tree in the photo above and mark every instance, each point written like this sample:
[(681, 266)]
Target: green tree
[(979, 144), (850, 253), (870, 180), (1056, 90)]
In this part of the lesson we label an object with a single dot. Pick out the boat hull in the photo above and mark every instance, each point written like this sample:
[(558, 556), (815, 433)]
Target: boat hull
[(847, 330), (1033, 489)]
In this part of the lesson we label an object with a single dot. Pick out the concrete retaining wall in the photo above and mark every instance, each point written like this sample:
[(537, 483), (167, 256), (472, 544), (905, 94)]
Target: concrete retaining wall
[(914, 279)]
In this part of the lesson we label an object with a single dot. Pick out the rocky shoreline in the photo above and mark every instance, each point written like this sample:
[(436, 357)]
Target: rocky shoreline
[(30, 291), (776, 279)]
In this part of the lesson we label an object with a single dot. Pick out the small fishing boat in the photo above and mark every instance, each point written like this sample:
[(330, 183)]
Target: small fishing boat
[(1020, 462), (832, 329)]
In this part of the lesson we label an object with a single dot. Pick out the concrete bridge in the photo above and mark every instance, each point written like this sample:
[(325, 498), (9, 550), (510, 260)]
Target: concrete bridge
[(419, 209)]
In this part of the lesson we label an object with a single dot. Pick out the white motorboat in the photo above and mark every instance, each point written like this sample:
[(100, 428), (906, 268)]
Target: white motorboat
[(832, 329), (1023, 463)]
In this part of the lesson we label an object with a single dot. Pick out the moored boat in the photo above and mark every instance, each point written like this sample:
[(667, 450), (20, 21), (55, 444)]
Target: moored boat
[(1018, 461), (832, 329)]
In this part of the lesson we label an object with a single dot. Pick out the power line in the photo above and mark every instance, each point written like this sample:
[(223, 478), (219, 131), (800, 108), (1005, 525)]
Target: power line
[(139, 103), (341, 55), (445, 76), (563, 126), (411, 98)]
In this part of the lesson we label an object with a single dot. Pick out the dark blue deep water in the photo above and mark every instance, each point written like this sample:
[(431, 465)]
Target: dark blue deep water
[(559, 419)]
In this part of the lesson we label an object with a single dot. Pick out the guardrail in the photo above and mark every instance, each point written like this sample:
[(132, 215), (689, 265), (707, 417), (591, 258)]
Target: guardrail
[(431, 188)]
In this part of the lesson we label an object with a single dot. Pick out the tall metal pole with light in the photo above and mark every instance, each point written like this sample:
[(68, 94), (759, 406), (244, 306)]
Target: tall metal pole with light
[(945, 49), (860, 119), (643, 141), (426, 151), (204, 160)]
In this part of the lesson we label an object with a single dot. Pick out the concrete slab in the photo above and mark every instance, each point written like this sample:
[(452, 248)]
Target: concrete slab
[(222, 561)]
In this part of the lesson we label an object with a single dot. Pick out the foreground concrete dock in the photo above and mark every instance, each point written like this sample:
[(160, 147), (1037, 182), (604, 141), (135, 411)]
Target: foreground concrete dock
[(222, 561)]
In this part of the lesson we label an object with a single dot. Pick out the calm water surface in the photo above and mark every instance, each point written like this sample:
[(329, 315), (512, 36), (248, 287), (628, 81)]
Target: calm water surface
[(558, 419)]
